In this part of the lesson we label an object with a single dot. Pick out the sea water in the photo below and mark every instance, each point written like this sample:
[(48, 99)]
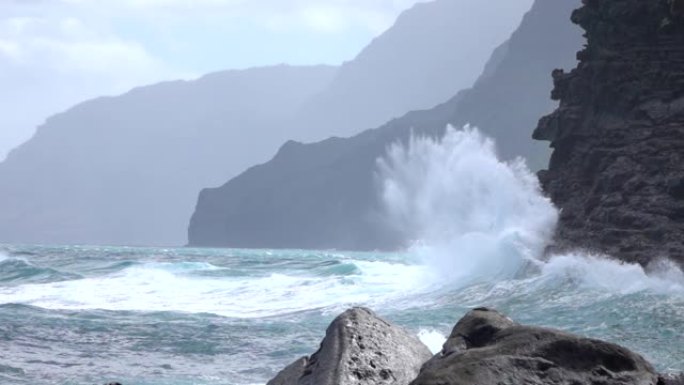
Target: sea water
[(179, 316)]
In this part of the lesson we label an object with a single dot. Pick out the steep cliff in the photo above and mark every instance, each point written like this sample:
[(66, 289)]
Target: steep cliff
[(324, 195), (617, 170)]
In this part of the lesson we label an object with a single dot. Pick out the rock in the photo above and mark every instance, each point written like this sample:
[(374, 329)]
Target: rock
[(475, 329), (291, 374), (671, 379), (498, 351), (618, 135), (362, 349)]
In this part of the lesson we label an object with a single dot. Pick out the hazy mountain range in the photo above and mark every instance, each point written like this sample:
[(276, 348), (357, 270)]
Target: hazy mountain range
[(325, 195), (127, 169)]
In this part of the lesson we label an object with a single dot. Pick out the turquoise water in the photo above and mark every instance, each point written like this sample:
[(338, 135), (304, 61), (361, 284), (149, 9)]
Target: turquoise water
[(81, 315)]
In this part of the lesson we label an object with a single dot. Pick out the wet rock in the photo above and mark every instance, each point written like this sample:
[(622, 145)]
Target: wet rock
[(291, 374), (361, 349), (671, 379), (617, 169), (497, 351)]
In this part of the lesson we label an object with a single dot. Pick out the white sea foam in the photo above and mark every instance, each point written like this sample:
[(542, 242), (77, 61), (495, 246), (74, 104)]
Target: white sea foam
[(477, 219), (601, 272), (472, 216), (172, 287), (433, 339)]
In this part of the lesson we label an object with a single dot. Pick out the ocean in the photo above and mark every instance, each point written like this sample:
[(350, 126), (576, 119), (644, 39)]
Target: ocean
[(478, 227)]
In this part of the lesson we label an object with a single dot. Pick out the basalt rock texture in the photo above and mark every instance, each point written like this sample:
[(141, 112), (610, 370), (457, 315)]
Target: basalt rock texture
[(617, 170), (486, 347), (359, 348)]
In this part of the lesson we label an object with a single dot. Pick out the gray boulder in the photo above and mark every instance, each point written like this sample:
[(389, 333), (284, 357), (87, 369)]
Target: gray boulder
[(486, 347), (671, 379), (362, 349), (291, 374)]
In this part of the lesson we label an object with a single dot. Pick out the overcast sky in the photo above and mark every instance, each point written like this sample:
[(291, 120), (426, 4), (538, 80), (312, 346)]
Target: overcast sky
[(55, 53)]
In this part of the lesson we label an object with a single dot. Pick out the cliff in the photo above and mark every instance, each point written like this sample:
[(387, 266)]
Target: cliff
[(617, 169), (324, 195)]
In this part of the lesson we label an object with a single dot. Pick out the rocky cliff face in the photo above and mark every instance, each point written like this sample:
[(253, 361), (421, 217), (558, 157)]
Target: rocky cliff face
[(617, 170), (325, 195)]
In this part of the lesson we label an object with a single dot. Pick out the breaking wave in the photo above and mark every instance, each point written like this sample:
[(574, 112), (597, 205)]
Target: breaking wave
[(473, 218)]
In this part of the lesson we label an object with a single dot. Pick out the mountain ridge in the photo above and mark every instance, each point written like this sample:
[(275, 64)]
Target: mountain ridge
[(327, 195), (126, 170)]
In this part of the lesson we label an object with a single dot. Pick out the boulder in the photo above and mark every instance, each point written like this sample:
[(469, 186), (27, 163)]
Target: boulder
[(362, 349), (486, 347), (671, 379), (291, 373)]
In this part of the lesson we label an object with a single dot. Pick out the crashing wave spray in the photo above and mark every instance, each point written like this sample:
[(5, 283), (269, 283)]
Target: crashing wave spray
[(474, 218), (470, 215)]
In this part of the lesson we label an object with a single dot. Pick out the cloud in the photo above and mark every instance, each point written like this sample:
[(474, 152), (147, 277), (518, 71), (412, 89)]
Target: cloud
[(50, 62), (56, 53), (68, 44)]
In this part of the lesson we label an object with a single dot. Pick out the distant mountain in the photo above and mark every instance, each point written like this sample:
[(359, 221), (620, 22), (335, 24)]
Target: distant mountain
[(433, 51), (324, 195), (126, 170)]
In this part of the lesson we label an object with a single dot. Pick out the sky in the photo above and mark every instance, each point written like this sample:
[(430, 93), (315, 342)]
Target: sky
[(56, 53)]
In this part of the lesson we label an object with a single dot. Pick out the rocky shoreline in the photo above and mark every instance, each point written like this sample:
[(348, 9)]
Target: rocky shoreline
[(485, 347), (617, 170)]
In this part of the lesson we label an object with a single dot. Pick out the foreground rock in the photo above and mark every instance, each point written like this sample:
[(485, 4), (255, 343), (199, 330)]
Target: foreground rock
[(617, 170), (486, 347), (671, 379), (362, 349)]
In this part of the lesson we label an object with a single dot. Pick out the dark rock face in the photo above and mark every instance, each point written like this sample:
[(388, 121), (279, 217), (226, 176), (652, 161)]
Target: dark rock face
[(361, 349), (617, 170), (325, 195), (486, 348)]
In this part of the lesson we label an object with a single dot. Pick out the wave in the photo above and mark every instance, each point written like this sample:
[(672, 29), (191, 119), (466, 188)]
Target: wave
[(472, 217), (20, 271), (479, 226), (181, 287), (475, 219), (592, 272)]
